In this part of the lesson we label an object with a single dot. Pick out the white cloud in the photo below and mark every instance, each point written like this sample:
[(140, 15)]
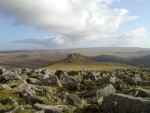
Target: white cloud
[(137, 37), (73, 21), (59, 40)]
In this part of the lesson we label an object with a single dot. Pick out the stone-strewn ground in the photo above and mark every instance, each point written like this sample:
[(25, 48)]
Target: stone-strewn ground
[(40, 91)]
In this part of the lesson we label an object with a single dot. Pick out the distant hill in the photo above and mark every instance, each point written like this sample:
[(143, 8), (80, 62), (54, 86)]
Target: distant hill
[(141, 61), (125, 52), (41, 58), (137, 61), (110, 58)]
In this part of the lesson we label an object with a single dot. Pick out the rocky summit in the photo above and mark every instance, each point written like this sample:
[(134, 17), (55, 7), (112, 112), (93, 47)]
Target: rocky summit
[(24, 90)]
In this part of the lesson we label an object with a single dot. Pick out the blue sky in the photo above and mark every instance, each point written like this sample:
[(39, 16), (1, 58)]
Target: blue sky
[(137, 7), (10, 33), (80, 23)]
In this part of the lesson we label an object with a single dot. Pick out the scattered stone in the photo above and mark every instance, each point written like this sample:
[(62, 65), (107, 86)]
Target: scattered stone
[(40, 91)]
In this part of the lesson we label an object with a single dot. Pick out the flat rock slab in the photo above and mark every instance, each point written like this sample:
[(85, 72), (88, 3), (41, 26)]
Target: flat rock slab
[(120, 103), (48, 108)]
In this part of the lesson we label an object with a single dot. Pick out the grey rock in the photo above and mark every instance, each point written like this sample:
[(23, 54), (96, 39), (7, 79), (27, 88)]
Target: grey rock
[(72, 99), (69, 82), (113, 79), (139, 92), (8, 76), (50, 81), (2, 70), (32, 81), (120, 103), (106, 91), (89, 76), (48, 108), (28, 94)]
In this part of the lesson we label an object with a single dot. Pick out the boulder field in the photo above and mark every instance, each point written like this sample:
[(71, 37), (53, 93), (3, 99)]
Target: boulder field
[(41, 91)]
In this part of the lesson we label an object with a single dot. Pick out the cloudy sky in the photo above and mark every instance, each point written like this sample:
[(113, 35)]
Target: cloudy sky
[(38, 24)]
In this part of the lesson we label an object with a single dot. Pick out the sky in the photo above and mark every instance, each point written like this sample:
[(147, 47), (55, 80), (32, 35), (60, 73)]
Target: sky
[(44, 24)]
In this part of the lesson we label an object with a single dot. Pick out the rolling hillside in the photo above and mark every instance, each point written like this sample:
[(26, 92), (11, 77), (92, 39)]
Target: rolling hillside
[(77, 62), (42, 58), (137, 61)]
